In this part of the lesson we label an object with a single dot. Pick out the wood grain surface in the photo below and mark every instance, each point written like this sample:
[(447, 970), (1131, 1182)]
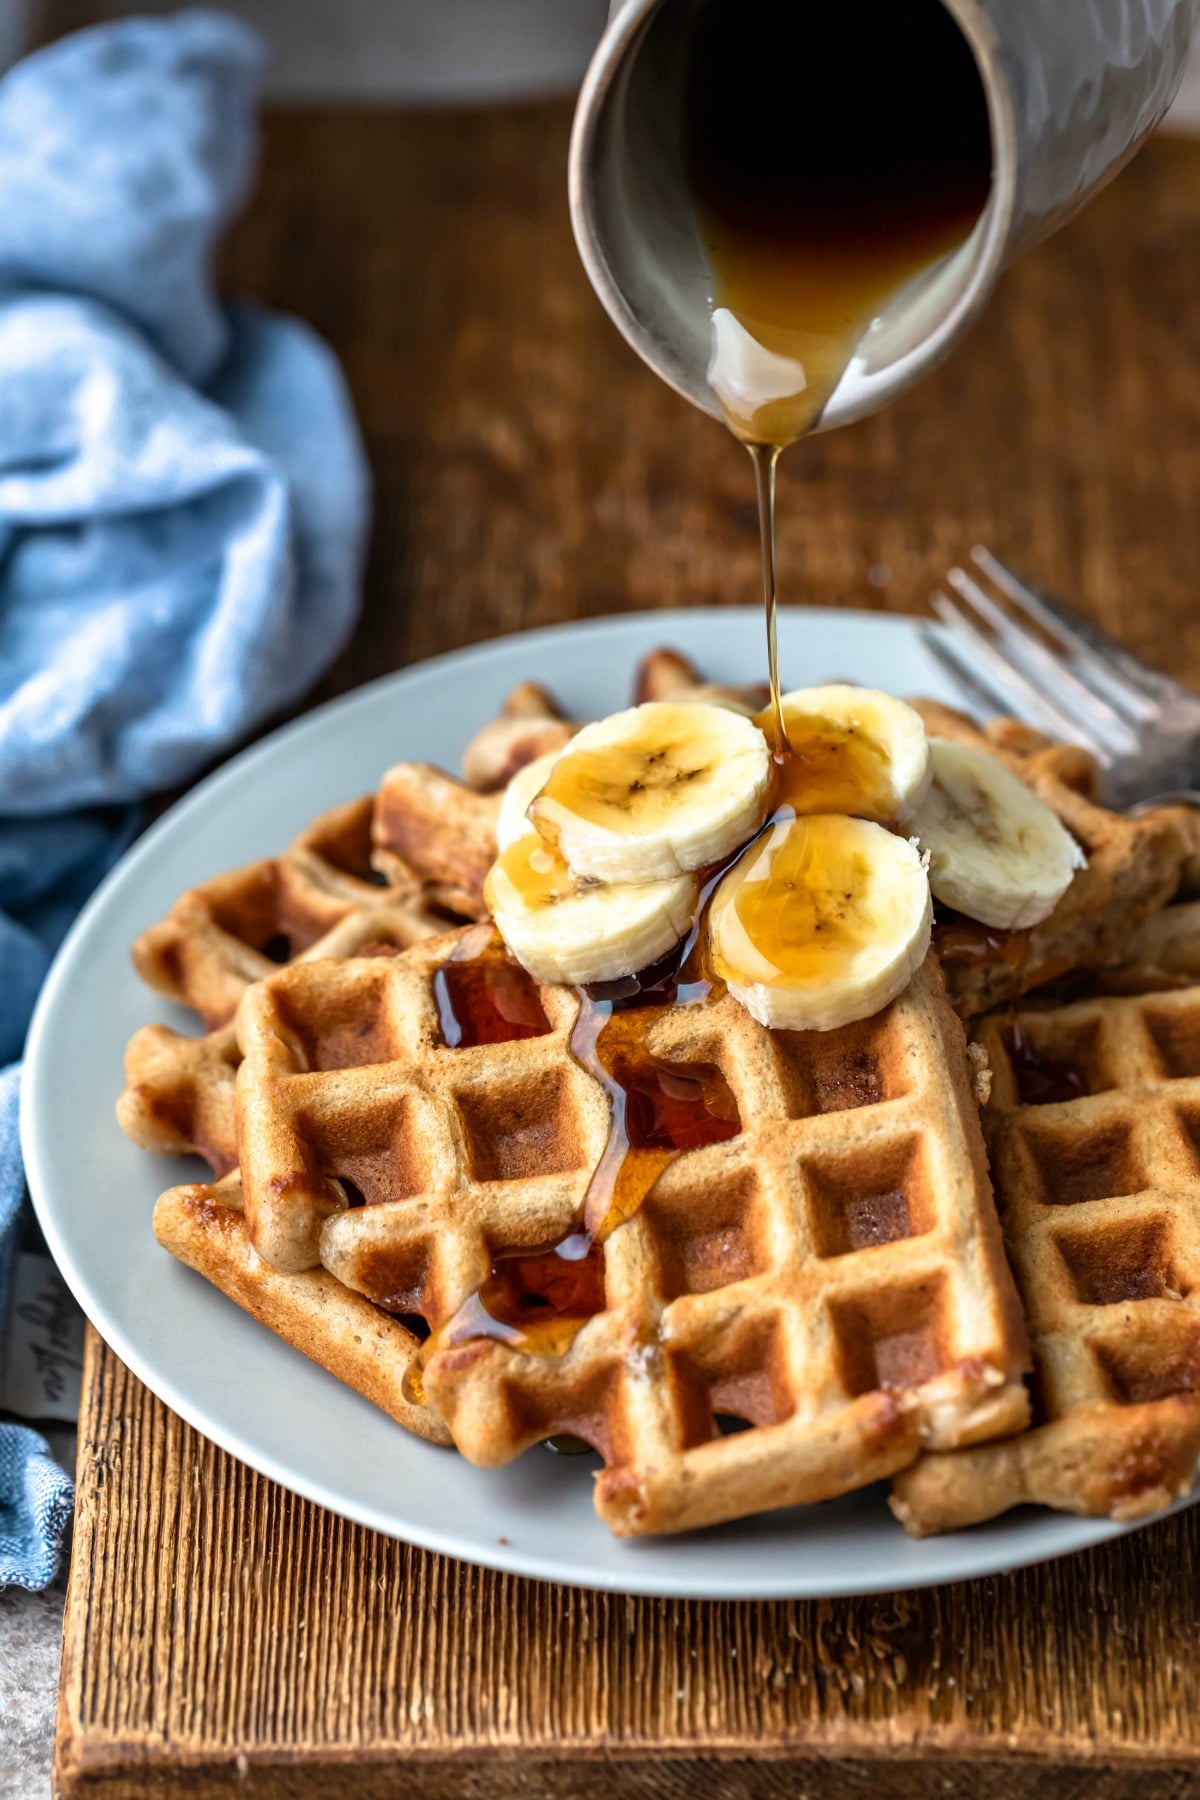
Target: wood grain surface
[(222, 1636), (218, 1626)]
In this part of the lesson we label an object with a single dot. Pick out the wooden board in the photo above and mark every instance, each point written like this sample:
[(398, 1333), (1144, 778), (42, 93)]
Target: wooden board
[(217, 1626), (528, 469)]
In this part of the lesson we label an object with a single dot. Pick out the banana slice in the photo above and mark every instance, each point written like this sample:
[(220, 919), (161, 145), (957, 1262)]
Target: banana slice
[(822, 921), (656, 791), (854, 750), (524, 787), (561, 929), (996, 852)]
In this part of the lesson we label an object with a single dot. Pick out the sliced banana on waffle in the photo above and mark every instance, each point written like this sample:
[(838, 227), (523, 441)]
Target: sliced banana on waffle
[(563, 929), (524, 787), (853, 750), (655, 792), (996, 851), (823, 920)]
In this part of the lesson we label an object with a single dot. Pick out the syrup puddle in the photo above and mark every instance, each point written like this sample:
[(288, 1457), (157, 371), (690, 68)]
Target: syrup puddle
[(1042, 1080)]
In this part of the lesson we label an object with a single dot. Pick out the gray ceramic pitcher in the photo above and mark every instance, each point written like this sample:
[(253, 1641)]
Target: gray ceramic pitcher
[(1072, 88)]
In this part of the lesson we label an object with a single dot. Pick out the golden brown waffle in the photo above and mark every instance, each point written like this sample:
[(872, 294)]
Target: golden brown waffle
[(529, 724), (240, 926), (436, 835), (179, 1094), (832, 1275), (667, 674), (359, 1343), (1094, 1131), (1162, 951), (320, 897), (1134, 868)]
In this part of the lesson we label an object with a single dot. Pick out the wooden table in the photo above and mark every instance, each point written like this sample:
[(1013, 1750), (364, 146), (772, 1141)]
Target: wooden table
[(223, 1636)]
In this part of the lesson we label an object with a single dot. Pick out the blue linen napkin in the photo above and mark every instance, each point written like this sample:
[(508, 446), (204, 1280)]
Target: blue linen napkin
[(183, 505)]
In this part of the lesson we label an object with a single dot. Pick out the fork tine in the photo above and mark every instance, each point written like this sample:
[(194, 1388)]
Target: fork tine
[(1019, 692), (1125, 684), (1046, 671), (985, 701)]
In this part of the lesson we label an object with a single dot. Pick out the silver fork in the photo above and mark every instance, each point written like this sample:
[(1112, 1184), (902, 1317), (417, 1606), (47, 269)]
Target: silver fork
[(1010, 648)]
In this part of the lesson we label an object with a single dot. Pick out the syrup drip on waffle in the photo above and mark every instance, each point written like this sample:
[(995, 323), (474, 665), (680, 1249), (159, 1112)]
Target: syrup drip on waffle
[(1042, 1080), (966, 942), (534, 1299), (538, 1299), (484, 997)]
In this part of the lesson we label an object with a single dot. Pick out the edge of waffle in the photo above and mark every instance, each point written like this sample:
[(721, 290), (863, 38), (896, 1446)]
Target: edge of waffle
[(318, 898), (204, 1227), (1094, 1130), (1134, 868), (404, 1167)]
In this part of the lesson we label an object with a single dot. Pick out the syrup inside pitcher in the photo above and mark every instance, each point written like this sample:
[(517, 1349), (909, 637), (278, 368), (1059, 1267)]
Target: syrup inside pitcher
[(832, 154)]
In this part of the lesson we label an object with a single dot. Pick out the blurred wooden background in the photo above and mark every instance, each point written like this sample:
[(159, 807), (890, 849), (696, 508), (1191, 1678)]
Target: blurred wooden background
[(529, 468), (383, 51)]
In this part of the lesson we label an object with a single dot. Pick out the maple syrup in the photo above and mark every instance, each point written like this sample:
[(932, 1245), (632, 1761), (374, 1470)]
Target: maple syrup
[(483, 996), (659, 1109), (1042, 1080), (827, 767), (534, 1300), (965, 942), (536, 871), (832, 154)]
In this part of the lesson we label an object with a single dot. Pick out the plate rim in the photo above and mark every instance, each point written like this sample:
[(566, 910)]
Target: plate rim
[(1012, 1550)]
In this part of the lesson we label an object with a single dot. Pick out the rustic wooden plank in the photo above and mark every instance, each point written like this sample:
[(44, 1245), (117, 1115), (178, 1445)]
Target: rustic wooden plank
[(529, 469), (215, 1624)]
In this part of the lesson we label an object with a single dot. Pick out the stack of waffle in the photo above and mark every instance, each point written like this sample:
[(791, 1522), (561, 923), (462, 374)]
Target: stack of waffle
[(816, 1298)]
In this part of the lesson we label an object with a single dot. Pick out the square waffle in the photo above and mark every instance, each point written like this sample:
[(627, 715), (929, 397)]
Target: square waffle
[(1134, 868), (320, 897), (1094, 1131), (830, 1276), (530, 723)]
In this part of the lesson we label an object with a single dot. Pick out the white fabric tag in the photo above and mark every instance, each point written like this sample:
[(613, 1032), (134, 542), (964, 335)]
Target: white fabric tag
[(43, 1348)]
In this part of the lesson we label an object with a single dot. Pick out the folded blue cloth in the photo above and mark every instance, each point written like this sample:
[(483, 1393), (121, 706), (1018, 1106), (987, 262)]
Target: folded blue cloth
[(183, 503), (36, 1498)]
